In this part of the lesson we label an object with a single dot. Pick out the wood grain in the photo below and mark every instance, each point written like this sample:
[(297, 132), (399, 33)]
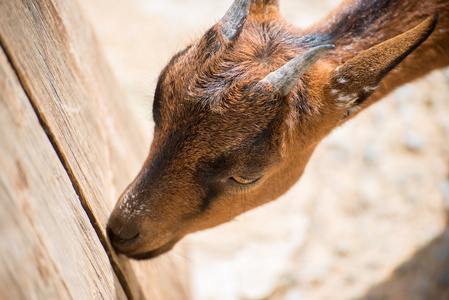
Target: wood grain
[(88, 122), (48, 248)]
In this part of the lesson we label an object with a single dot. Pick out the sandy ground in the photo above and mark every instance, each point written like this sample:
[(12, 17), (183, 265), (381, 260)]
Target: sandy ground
[(368, 218)]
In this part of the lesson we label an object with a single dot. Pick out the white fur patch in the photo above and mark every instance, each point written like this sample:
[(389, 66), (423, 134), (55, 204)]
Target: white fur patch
[(353, 110), (334, 92), (347, 101), (341, 80), (126, 204), (368, 89), (344, 98)]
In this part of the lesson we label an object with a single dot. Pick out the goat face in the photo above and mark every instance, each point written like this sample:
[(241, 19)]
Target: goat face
[(219, 147), (236, 120)]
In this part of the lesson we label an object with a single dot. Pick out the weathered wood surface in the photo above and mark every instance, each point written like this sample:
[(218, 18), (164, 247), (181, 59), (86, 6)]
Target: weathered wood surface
[(86, 118), (48, 248)]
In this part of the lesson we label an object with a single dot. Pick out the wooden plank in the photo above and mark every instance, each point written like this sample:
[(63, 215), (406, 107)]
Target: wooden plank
[(48, 248), (87, 119)]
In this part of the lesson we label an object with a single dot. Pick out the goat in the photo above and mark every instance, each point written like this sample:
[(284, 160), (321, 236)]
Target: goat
[(239, 112)]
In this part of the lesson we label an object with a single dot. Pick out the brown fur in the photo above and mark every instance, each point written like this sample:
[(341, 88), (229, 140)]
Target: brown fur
[(215, 123)]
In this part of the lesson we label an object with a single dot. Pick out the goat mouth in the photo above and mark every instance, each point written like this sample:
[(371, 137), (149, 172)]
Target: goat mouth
[(155, 252)]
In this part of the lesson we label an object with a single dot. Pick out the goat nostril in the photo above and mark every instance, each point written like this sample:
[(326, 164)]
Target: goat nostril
[(128, 234), (122, 236)]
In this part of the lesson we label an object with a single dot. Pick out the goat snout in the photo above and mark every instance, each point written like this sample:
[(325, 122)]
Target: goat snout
[(123, 235), (129, 238)]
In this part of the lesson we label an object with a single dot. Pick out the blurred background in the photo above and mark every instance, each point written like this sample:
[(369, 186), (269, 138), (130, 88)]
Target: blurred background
[(368, 218)]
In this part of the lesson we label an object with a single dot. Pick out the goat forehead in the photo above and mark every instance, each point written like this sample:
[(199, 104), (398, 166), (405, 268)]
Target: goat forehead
[(218, 106), (207, 127), (262, 47), (215, 75)]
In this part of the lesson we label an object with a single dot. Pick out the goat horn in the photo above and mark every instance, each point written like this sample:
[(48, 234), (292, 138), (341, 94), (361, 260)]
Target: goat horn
[(232, 22), (286, 77)]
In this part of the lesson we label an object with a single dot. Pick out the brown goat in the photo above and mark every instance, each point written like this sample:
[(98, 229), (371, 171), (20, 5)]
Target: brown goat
[(238, 113)]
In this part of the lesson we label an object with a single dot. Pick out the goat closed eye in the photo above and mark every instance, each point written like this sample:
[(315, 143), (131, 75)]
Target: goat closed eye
[(244, 180)]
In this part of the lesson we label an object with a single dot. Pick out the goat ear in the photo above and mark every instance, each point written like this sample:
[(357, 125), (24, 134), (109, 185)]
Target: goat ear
[(235, 17), (355, 80)]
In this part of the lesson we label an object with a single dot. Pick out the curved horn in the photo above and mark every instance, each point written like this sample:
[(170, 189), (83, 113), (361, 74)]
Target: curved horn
[(232, 22), (286, 77)]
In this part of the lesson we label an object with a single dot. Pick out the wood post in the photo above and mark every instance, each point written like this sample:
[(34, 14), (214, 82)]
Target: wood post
[(68, 145)]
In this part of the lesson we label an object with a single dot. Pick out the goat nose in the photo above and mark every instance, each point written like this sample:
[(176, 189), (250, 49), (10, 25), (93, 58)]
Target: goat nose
[(123, 235)]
